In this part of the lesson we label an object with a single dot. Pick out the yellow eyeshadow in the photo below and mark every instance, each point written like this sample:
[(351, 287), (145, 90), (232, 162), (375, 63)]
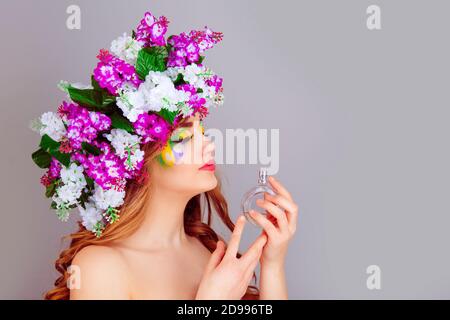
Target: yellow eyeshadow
[(167, 157), (202, 128), (180, 133), (185, 132)]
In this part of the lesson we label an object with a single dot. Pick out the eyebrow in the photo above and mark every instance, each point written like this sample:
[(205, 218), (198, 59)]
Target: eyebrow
[(185, 124)]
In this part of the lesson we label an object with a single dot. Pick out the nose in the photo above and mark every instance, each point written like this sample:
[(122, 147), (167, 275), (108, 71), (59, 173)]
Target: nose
[(208, 145)]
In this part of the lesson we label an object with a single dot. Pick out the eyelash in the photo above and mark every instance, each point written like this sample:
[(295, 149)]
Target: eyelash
[(186, 139)]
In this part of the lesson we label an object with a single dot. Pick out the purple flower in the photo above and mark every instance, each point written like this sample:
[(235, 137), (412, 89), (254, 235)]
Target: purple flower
[(186, 49), (206, 39), (82, 125), (106, 169), (54, 169), (151, 127), (216, 82), (151, 30), (111, 72), (52, 173), (195, 101)]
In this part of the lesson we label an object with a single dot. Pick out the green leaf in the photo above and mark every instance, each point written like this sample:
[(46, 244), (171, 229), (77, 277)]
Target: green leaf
[(92, 99), (118, 121), (48, 143), (51, 146), (50, 190), (151, 59), (133, 34), (89, 181), (89, 148), (84, 198), (169, 116), (179, 80), (200, 60), (64, 158), (95, 84), (42, 158)]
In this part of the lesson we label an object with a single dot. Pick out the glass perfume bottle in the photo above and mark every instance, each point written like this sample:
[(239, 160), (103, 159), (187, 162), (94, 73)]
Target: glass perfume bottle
[(249, 199)]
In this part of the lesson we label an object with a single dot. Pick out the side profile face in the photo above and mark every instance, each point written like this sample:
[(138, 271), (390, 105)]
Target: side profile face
[(186, 163)]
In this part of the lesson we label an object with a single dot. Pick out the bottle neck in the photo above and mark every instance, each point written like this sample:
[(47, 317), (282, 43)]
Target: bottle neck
[(262, 177)]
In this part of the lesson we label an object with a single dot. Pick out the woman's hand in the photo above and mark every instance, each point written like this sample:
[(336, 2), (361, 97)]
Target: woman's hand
[(280, 224), (226, 276)]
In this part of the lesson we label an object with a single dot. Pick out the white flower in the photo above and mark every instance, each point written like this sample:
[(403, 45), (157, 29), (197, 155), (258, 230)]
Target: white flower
[(121, 140), (104, 199), (73, 184), (131, 102), (62, 209), (68, 194), (172, 72), (90, 216), (52, 125), (136, 157), (161, 92), (73, 175), (186, 110), (195, 75), (155, 93), (126, 48)]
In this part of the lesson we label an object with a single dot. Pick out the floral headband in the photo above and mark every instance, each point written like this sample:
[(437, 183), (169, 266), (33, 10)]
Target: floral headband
[(140, 90)]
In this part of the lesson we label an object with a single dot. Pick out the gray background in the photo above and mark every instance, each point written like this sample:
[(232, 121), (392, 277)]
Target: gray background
[(363, 118)]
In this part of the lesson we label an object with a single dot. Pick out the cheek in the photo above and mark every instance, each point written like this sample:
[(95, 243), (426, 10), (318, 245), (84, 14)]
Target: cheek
[(172, 154)]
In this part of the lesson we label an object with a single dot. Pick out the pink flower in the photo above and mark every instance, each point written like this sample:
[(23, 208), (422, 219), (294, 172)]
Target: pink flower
[(52, 173), (216, 82), (186, 49), (82, 125), (151, 30), (194, 99), (111, 72), (151, 127)]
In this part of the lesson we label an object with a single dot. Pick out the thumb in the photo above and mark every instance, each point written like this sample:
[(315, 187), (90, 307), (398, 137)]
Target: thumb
[(216, 257)]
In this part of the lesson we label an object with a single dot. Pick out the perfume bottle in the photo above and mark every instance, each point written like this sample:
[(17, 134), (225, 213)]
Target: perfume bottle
[(249, 199)]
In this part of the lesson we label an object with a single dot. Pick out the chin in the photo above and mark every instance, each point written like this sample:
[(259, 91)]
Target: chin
[(207, 182)]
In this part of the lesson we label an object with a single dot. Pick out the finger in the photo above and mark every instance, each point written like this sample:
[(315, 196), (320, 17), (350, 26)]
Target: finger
[(267, 225), (251, 268), (233, 245), (254, 251), (279, 188), (279, 214), (286, 204), (216, 257)]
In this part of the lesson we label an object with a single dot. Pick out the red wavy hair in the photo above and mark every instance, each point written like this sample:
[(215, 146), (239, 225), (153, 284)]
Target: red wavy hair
[(130, 219)]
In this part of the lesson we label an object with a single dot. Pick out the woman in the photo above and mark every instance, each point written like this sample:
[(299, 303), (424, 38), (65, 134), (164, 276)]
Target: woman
[(130, 153), (159, 249)]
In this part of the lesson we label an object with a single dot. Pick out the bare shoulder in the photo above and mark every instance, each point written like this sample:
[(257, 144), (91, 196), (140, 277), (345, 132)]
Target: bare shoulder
[(99, 272)]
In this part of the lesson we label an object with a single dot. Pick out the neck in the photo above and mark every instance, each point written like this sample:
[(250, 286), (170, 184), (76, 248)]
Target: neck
[(163, 225)]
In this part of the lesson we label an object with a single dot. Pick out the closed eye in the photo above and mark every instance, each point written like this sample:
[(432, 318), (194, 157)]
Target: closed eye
[(184, 140)]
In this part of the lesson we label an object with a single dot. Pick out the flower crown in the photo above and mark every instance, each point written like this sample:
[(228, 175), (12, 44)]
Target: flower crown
[(140, 90)]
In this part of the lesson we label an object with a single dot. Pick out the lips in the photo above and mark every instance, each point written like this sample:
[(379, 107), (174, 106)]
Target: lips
[(209, 166)]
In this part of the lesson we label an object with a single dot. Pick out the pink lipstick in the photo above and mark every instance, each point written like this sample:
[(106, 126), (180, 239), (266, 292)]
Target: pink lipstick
[(210, 166)]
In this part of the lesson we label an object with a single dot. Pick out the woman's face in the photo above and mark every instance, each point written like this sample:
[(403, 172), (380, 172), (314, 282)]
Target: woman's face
[(182, 165)]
